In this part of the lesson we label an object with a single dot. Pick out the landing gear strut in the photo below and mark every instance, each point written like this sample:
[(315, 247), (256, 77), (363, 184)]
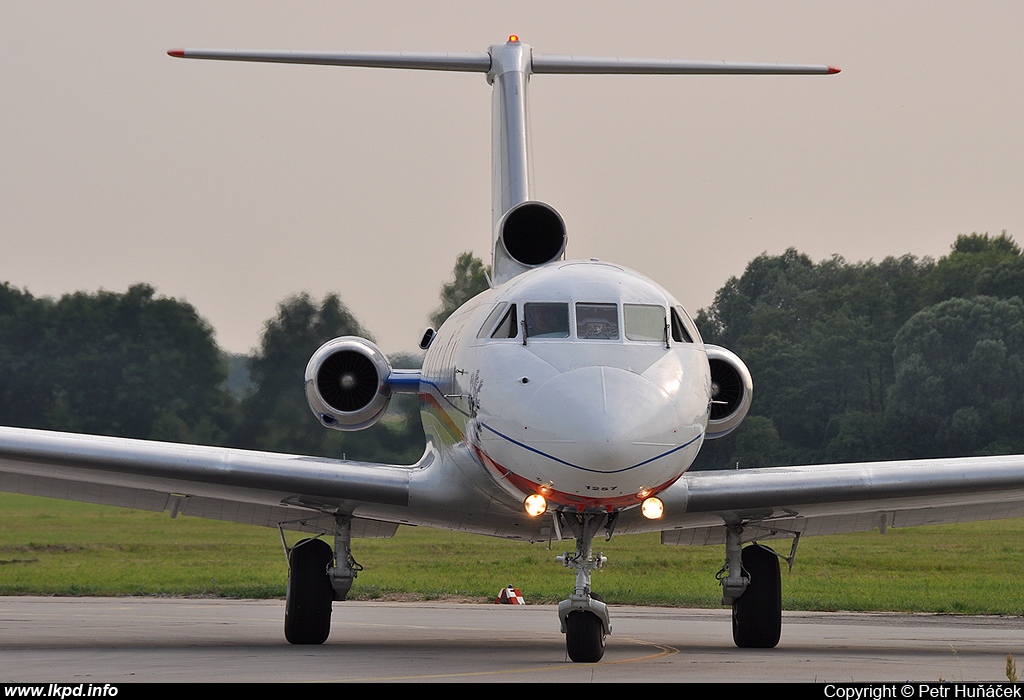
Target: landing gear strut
[(584, 615), (752, 584)]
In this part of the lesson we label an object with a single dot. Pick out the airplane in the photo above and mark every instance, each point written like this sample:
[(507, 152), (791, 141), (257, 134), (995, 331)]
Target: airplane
[(567, 401)]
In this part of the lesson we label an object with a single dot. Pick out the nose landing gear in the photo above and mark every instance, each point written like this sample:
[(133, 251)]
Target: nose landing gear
[(583, 615)]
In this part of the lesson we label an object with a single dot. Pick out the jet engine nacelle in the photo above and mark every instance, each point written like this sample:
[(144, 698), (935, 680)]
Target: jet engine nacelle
[(731, 392), (346, 383), (529, 234)]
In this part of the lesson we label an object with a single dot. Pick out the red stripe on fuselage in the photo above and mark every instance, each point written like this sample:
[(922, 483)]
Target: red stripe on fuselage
[(561, 498), (524, 485)]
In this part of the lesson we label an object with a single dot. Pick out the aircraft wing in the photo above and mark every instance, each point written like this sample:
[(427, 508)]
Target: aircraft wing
[(260, 488), (837, 498), (304, 493)]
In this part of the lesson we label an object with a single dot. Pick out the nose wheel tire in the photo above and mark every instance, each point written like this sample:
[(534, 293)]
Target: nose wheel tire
[(584, 637), (757, 614), (307, 608)]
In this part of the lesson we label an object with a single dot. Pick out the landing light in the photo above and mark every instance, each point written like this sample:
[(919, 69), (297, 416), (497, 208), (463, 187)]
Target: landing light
[(652, 508), (535, 505)]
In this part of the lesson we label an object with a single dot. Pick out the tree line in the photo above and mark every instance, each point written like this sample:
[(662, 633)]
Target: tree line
[(904, 358), (139, 365), (908, 357)]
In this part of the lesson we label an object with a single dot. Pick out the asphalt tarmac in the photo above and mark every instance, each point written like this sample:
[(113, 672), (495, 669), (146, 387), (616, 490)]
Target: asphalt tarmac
[(119, 640)]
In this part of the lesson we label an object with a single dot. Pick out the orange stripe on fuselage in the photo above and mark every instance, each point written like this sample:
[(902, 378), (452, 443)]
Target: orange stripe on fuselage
[(431, 404)]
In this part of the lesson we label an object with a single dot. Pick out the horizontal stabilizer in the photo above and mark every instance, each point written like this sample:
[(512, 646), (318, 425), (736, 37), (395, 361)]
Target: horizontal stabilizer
[(473, 62), (480, 62), (508, 67), (554, 63)]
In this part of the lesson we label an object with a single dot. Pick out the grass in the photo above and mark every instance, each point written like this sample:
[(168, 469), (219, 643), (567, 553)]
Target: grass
[(50, 547)]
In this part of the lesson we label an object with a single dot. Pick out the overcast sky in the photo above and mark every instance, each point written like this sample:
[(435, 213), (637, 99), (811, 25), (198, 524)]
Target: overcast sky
[(234, 185)]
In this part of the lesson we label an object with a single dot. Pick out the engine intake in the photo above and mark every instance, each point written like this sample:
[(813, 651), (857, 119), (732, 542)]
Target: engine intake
[(529, 234), (346, 383), (732, 390), (533, 233)]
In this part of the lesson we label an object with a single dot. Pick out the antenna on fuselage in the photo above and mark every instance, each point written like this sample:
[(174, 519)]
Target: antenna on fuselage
[(526, 233)]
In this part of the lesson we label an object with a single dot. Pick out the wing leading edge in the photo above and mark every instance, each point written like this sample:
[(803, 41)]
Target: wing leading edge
[(838, 498), (261, 488)]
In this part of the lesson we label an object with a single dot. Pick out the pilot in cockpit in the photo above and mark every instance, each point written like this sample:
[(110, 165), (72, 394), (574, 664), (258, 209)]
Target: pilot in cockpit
[(547, 320), (597, 321)]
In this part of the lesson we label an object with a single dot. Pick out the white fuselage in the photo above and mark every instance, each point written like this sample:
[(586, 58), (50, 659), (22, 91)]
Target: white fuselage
[(579, 380)]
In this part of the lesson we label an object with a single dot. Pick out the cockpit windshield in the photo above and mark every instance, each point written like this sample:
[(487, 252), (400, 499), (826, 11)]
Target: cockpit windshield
[(597, 321), (645, 323), (547, 320)]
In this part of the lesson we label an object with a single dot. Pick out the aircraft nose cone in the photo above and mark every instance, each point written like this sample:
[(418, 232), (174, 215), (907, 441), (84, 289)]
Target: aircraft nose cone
[(601, 419)]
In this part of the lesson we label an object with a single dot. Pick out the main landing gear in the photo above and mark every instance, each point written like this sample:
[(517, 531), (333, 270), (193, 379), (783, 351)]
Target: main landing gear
[(584, 615), (315, 581), (752, 583), (307, 607)]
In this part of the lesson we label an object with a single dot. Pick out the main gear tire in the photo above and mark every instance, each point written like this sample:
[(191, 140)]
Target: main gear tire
[(757, 614), (307, 607)]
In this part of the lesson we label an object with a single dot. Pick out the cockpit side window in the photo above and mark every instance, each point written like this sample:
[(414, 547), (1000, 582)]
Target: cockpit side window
[(492, 317), (546, 320), (597, 321), (509, 326), (644, 322), (688, 324), (679, 332)]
